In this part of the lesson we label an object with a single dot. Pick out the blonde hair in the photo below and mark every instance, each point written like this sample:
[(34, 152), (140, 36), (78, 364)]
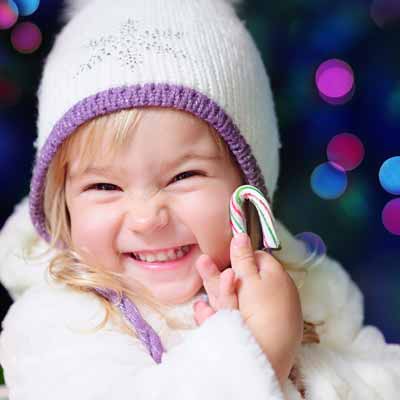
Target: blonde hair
[(68, 267)]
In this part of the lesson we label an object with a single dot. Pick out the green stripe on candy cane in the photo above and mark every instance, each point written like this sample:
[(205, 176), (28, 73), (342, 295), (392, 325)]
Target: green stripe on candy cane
[(266, 224), (238, 223), (238, 219), (266, 218)]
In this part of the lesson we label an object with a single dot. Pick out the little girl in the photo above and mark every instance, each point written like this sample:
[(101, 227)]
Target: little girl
[(126, 279)]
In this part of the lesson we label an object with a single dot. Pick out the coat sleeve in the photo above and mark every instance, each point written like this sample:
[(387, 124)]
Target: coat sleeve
[(45, 357), (368, 369), (20, 247), (351, 361)]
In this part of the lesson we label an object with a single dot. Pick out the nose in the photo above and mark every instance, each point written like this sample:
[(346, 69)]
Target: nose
[(146, 216)]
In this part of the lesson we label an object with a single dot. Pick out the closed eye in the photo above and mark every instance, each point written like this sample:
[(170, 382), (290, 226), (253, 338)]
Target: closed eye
[(97, 186), (192, 173), (103, 186)]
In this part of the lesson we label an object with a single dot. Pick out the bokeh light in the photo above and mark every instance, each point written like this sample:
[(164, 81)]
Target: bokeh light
[(385, 12), (8, 14), (358, 206), (389, 175), (329, 181), (313, 242), (27, 7), (391, 216), (346, 150), (26, 37), (335, 81)]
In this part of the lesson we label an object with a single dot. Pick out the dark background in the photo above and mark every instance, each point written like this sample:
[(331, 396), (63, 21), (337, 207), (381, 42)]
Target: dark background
[(294, 37)]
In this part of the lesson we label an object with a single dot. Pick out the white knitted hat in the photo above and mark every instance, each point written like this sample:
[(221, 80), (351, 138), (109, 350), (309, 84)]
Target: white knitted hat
[(192, 55)]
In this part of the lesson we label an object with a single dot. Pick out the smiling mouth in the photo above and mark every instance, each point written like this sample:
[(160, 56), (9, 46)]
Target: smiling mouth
[(163, 264), (169, 255)]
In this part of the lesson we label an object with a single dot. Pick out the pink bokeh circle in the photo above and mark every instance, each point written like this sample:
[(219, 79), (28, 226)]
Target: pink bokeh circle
[(8, 14), (346, 150), (391, 216)]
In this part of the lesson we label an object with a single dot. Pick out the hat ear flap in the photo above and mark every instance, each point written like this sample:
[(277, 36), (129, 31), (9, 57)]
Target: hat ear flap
[(72, 7)]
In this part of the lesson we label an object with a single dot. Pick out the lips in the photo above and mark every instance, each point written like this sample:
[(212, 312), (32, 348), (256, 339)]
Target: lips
[(162, 265), (158, 250)]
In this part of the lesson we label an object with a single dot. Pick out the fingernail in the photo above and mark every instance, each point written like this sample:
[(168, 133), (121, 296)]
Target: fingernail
[(241, 240)]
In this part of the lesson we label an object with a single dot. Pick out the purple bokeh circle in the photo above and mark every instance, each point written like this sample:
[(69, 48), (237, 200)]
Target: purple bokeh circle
[(26, 37), (391, 216), (313, 242), (335, 81)]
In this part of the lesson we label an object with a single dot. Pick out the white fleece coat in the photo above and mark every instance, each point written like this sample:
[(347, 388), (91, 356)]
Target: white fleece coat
[(47, 355)]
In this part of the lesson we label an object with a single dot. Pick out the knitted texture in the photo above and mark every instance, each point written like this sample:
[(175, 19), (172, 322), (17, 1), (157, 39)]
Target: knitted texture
[(108, 58), (114, 99), (191, 55), (145, 332)]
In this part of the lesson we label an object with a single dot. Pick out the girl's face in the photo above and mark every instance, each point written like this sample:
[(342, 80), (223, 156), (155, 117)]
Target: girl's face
[(146, 200)]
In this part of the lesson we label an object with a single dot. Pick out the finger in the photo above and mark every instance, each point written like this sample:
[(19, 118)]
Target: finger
[(268, 264), (196, 308), (228, 297), (210, 274), (242, 256), (226, 282), (202, 311)]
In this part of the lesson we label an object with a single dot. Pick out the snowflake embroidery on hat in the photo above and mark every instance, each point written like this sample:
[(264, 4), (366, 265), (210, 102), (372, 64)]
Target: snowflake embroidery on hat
[(130, 44)]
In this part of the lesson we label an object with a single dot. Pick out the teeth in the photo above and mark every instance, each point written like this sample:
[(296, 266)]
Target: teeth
[(164, 256)]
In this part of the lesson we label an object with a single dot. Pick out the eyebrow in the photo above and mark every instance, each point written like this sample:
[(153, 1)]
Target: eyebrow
[(106, 171)]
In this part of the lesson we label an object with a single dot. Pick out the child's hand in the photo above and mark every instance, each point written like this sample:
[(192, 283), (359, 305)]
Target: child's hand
[(270, 306), (220, 288)]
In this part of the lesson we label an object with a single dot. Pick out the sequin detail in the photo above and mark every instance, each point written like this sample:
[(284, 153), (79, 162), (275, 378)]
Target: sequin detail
[(130, 44)]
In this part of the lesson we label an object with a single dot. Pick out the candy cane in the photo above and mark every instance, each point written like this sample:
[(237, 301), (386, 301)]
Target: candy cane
[(238, 218)]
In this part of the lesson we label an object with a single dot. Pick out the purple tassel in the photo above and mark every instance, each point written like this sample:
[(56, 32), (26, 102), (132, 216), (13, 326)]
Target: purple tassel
[(144, 331)]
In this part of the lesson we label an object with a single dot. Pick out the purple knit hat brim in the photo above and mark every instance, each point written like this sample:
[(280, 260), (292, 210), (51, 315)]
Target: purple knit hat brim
[(147, 95)]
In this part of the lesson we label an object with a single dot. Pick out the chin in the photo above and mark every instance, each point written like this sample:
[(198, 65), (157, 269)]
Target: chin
[(177, 298), (174, 292), (173, 301)]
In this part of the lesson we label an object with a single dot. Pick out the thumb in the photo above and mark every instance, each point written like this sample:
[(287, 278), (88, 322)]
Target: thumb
[(242, 256)]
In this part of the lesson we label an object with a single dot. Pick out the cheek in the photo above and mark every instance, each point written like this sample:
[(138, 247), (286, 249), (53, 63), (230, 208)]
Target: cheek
[(91, 230), (204, 210), (207, 216)]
